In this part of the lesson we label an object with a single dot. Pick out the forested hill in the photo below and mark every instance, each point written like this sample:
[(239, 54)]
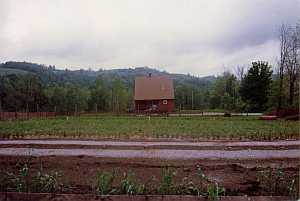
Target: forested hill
[(50, 75)]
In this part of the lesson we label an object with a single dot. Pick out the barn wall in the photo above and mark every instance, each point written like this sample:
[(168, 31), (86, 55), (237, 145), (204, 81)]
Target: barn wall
[(169, 107), (141, 105)]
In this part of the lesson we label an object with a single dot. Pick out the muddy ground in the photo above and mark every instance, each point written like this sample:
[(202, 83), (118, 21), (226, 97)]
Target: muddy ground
[(91, 197), (152, 144), (239, 176)]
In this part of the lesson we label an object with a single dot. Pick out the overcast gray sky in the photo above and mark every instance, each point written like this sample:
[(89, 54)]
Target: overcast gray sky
[(201, 37)]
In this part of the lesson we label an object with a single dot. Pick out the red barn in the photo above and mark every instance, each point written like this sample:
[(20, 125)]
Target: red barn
[(154, 94)]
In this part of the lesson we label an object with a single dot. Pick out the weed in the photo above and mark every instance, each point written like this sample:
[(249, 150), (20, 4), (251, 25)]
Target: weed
[(293, 189), (214, 191), (277, 182), (104, 183), (46, 183), (24, 182), (187, 187), (19, 181), (267, 180), (203, 180), (202, 176), (166, 185), (130, 186)]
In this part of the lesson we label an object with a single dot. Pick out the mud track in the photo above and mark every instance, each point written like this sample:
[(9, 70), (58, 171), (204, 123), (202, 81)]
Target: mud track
[(153, 150), (182, 145)]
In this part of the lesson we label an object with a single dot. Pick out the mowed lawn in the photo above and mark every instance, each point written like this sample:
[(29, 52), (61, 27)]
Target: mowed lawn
[(157, 127)]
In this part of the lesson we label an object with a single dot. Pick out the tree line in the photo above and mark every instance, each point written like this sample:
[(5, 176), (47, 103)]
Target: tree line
[(26, 93), (256, 91), (248, 93)]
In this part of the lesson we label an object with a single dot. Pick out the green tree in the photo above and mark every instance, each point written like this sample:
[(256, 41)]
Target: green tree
[(76, 98), (22, 93), (255, 86), (67, 99), (99, 98), (56, 97), (119, 96), (224, 92)]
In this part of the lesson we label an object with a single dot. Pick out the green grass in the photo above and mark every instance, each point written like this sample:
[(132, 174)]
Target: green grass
[(160, 127)]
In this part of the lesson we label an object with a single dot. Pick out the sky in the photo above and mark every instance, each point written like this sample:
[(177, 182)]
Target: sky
[(200, 37)]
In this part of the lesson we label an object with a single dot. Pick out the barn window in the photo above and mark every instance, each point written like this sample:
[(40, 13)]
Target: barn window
[(165, 102)]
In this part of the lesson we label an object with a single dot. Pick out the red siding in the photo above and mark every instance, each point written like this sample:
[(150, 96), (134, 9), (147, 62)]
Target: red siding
[(166, 107), (144, 105)]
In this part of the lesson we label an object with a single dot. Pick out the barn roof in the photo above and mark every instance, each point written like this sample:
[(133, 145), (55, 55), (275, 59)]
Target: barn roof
[(153, 88)]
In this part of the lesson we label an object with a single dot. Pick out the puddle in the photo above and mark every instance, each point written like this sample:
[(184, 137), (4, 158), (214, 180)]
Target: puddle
[(156, 153), (148, 143)]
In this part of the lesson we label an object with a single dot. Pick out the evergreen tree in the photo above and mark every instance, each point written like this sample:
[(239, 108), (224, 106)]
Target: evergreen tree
[(255, 86)]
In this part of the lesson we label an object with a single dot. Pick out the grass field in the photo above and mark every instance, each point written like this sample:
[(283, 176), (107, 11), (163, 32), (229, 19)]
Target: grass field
[(157, 127)]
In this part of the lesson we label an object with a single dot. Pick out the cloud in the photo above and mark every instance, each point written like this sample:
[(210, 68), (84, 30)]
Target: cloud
[(191, 36)]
